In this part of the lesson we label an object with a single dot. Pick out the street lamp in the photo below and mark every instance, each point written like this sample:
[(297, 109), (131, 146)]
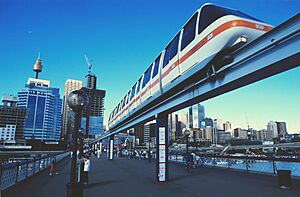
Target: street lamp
[(186, 133), (81, 138), (77, 100), (149, 153)]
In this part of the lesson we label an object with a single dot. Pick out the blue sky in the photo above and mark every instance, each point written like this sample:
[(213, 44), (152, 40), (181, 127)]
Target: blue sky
[(123, 37)]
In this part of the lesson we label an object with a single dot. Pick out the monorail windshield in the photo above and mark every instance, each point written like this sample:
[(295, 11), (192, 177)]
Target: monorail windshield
[(211, 13)]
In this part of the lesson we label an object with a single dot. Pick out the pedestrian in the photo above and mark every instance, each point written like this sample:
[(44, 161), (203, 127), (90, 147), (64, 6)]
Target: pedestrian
[(197, 160), (53, 168), (98, 153), (86, 169), (194, 160)]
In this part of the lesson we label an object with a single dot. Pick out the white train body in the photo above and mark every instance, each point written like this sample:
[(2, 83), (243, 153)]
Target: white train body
[(209, 31)]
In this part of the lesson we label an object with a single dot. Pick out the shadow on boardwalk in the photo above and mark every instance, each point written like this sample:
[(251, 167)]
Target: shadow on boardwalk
[(123, 177)]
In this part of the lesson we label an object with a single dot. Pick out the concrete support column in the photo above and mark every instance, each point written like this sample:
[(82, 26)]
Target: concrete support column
[(111, 147), (162, 170)]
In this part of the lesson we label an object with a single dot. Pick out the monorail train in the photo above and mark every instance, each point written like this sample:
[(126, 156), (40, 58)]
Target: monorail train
[(211, 30)]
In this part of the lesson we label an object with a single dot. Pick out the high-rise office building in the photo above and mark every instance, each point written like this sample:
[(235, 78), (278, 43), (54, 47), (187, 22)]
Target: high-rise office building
[(92, 119), (12, 119), (228, 128), (281, 129), (272, 128), (44, 106), (173, 126), (207, 122), (240, 133), (138, 131), (219, 124), (70, 85), (196, 114)]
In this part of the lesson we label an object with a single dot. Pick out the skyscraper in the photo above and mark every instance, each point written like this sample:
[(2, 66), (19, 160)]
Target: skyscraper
[(173, 126), (70, 85), (92, 119), (281, 129), (12, 118), (227, 126), (272, 127), (196, 114), (44, 107)]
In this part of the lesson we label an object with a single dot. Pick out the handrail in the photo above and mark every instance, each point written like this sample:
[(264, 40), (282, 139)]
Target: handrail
[(12, 173), (268, 165)]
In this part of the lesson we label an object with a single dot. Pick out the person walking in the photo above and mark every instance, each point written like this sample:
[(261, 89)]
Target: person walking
[(98, 153), (53, 168), (86, 169)]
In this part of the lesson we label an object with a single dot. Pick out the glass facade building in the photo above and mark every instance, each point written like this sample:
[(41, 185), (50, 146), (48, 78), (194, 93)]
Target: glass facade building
[(44, 107), (95, 125), (196, 114)]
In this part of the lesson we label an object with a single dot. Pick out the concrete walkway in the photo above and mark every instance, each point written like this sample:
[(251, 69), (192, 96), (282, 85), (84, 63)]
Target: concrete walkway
[(123, 177)]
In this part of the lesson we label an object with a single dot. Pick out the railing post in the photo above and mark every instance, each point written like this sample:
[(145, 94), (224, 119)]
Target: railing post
[(228, 161), (17, 173), (33, 166), (1, 174), (214, 162), (26, 169), (40, 164), (247, 166), (274, 165)]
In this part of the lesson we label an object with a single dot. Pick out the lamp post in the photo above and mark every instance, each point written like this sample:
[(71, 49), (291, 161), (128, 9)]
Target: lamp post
[(149, 153), (186, 133), (77, 100), (81, 138)]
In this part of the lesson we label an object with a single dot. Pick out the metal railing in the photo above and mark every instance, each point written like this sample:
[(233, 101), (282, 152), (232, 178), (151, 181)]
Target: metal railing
[(258, 164), (12, 173)]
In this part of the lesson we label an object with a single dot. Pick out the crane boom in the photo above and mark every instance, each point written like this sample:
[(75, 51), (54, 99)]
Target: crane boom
[(88, 62)]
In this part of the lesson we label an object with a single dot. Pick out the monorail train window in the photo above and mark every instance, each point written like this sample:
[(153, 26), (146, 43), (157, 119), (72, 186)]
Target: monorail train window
[(174, 46), (166, 57), (171, 50), (132, 91), (126, 100), (123, 103), (156, 65), (128, 95), (147, 76), (211, 13), (118, 109), (139, 85), (189, 32)]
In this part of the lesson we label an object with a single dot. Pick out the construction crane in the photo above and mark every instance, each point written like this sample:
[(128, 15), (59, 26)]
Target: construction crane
[(89, 63)]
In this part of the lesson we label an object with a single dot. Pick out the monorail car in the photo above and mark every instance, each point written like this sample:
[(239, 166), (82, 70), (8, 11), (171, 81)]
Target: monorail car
[(211, 30)]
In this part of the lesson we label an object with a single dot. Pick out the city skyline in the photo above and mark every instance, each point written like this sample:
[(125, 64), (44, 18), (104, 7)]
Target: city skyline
[(63, 36)]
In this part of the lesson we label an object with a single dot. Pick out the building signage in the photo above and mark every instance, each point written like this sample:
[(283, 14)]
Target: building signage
[(162, 154), (162, 172)]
